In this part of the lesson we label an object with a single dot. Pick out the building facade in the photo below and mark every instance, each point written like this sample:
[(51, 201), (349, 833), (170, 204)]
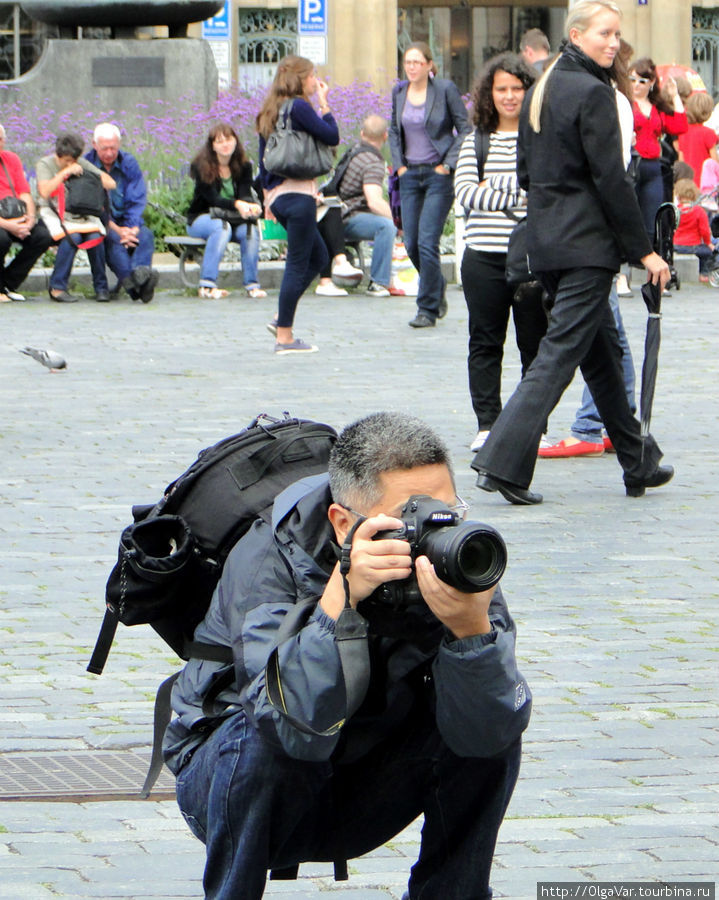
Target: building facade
[(365, 40)]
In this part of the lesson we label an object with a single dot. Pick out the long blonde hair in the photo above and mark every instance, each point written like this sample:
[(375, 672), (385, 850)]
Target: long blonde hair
[(287, 83), (579, 18)]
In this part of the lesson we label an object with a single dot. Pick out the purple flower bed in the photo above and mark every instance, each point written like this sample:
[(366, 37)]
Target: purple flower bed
[(164, 137)]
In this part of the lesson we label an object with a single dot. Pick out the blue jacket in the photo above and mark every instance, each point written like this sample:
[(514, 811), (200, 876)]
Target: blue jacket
[(445, 120), (127, 173), (482, 702)]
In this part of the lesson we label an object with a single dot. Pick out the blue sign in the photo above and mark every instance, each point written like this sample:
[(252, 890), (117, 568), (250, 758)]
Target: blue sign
[(217, 28), (312, 17)]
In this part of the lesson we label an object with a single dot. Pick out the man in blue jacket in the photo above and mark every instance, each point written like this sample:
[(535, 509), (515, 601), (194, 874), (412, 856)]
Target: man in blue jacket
[(129, 244), (284, 766)]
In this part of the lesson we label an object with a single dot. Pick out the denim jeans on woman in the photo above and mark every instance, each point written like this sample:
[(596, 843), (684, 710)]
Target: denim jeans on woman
[(306, 251), (218, 234), (66, 250), (427, 198), (588, 423), (256, 808)]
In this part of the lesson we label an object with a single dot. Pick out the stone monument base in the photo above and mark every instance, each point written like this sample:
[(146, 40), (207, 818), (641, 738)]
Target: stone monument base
[(124, 75)]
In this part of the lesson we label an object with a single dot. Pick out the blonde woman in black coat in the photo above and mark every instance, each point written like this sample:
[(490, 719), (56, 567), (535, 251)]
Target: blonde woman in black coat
[(583, 220)]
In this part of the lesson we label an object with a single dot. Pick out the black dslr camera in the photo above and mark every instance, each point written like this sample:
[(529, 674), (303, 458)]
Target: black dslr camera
[(469, 556)]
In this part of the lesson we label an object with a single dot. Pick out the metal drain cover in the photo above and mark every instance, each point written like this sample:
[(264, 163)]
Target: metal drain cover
[(89, 775)]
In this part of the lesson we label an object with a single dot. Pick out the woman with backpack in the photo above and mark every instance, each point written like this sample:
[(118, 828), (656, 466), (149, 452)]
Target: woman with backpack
[(71, 231), (293, 201), (485, 184)]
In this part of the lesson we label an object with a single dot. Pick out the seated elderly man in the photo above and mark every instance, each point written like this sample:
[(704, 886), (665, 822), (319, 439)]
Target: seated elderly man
[(24, 229), (294, 761), (129, 243)]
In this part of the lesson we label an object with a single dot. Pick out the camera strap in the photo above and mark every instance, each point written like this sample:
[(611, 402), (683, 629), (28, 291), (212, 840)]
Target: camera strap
[(345, 557)]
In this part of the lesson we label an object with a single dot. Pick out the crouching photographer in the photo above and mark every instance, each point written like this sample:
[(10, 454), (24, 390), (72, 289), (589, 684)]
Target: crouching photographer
[(368, 689)]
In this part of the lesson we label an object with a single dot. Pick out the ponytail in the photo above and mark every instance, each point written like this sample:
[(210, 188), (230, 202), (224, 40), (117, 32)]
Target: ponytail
[(537, 101)]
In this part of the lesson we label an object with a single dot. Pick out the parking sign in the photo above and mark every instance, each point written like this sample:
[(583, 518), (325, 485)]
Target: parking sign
[(312, 17), (217, 28)]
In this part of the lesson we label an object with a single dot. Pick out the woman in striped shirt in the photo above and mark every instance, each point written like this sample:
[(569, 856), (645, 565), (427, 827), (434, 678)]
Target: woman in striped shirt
[(493, 202)]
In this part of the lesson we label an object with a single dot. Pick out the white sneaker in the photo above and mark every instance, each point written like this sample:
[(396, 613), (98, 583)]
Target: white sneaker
[(330, 290), (544, 443), (478, 441), (623, 289), (347, 270), (346, 274)]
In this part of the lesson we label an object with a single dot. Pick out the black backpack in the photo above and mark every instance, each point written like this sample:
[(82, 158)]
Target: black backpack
[(171, 557), (332, 187), (85, 195)]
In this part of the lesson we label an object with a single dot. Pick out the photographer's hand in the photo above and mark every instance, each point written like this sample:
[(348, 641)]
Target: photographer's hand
[(464, 614), (372, 563)]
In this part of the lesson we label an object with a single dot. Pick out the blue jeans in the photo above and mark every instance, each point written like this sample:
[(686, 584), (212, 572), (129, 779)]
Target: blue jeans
[(649, 188), (427, 198), (256, 808), (306, 251), (706, 256), (588, 424), (122, 260), (218, 234), (66, 250), (367, 226)]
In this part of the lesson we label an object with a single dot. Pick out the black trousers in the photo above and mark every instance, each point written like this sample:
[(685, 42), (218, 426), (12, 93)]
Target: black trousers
[(581, 333), (31, 249), (489, 301), (333, 234)]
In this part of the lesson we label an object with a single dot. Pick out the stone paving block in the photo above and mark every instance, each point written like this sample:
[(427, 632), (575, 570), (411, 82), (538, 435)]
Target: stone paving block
[(615, 600)]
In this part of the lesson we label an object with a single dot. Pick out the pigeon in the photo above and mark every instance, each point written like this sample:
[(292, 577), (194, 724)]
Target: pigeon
[(49, 358)]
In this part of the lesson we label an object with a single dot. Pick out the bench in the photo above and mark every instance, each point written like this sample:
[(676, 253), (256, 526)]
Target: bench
[(190, 250)]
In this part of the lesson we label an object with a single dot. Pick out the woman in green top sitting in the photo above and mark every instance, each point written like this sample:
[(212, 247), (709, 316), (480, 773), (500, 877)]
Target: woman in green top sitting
[(223, 178)]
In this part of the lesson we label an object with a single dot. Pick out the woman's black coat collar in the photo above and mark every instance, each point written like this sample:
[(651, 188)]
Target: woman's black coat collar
[(572, 52)]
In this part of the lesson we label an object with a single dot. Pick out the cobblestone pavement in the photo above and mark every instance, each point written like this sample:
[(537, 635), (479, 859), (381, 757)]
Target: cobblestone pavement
[(615, 599)]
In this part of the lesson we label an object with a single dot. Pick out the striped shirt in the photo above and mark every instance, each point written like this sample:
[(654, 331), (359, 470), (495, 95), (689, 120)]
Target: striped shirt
[(486, 226)]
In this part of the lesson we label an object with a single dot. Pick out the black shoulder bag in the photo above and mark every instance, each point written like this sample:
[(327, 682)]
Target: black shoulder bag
[(11, 207), (517, 267)]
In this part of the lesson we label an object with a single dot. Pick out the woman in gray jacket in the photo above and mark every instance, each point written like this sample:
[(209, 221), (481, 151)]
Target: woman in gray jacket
[(428, 123)]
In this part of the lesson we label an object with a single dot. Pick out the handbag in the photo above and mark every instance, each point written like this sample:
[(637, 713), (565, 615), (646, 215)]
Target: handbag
[(517, 269), (227, 215), (11, 207), (84, 195), (295, 154)]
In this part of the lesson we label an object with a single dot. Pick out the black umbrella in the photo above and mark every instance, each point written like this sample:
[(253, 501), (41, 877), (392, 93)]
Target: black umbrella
[(665, 223)]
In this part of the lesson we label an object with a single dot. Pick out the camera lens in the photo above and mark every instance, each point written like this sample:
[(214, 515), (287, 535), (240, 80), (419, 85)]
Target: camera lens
[(470, 557)]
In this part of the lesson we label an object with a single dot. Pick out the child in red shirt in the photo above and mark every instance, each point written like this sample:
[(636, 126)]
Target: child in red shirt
[(693, 234), (698, 143)]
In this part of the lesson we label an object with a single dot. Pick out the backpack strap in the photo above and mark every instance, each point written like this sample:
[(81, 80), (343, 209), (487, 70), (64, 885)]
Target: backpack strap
[(163, 713), (103, 643), (481, 150)]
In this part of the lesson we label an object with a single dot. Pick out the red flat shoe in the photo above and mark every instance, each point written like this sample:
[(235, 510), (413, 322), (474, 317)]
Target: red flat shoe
[(608, 445), (565, 450)]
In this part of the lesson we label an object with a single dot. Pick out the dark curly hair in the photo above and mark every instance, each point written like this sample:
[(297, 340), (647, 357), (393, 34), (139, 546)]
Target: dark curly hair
[(485, 115)]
